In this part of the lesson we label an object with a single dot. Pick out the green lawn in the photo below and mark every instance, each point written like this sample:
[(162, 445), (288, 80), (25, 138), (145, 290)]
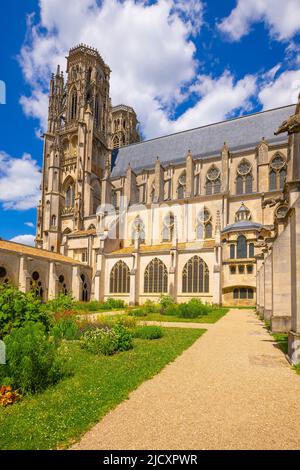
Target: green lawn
[(211, 317), (60, 415), (282, 341)]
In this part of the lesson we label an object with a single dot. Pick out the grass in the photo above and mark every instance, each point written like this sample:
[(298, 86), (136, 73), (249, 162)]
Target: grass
[(282, 341), (211, 317), (60, 415)]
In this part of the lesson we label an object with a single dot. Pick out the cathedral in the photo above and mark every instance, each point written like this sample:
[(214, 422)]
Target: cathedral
[(192, 214)]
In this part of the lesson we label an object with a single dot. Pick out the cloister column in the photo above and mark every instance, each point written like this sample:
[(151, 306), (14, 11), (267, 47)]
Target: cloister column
[(173, 277), (24, 276), (76, 283), (268, 287), (259, 267), (98, 284), (294, 334), (53, 282), (281, 316)]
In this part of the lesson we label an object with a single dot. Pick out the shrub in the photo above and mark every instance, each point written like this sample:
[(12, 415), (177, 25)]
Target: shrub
[(148, 332), (192, 309), (66, 327), (59, 304), (139, 312), (17, 308), (126, 321), (166, 302), (100, 341), (95, 306), (104, 321), (172, 309), (107, 341), (151, 307), (8, 396), (112, 304), (33, 361), (124, 338)]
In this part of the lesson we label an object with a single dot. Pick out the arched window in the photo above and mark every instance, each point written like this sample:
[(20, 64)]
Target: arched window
[(62, 287), (168, 228), (116, 142), (277, 174), (4, 279), (244, 179), (181, 185), (208, 230), (156, 277), (36, 285), (232, 251), (120, 279), (97, 113), (241, 247), (84, 289), (213, 181), (204, 225), (138, 230), (251, 250), (73, 113), (272, 180), (195, 276), (70, 194), (53, 221)]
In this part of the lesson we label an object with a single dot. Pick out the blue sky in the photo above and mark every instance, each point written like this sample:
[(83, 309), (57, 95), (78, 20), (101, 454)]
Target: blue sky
[(181, 64)]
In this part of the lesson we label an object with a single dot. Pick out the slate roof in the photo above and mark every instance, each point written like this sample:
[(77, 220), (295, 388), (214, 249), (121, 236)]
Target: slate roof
[(240, 134), (242, 225)]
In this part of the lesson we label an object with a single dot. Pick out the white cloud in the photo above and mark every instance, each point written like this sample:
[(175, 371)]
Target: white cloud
[(29, 224), (151, 54), (148, 48), (219, 98), (281, 91), (20, 179), (24, 239), (282, 17)]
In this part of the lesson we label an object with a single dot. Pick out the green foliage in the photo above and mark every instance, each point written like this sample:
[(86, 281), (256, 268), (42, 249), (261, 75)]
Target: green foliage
[(149, 332), (60, 304), (100, 341), (66, 327), (126, 321), (107, 340), (112, 304), (124, 338), (95, 306), (17, 308), (138, 312), (166, 302), (33, 361), (58, 417), (193, 309), (151, 307)]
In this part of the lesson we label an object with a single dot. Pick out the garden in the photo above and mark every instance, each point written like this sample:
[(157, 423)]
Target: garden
[(166, 310), (63, 372)]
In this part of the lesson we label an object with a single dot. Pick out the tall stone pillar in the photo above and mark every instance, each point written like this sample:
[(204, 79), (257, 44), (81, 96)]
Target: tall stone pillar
[(294, 334), (53, 281), (24, 276), (189, 175), (268, 286), (76, 283), (159, 182), (134, 272), (281, 316)]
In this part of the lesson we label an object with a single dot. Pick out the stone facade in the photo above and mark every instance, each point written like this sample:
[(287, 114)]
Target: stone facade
[(209, 213), (197, 208)]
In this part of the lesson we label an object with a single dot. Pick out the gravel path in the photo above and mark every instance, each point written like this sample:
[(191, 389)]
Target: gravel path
[(233, 389)]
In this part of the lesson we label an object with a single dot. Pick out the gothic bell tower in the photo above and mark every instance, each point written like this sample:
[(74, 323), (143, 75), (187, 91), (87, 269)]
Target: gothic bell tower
[(76, 147)]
